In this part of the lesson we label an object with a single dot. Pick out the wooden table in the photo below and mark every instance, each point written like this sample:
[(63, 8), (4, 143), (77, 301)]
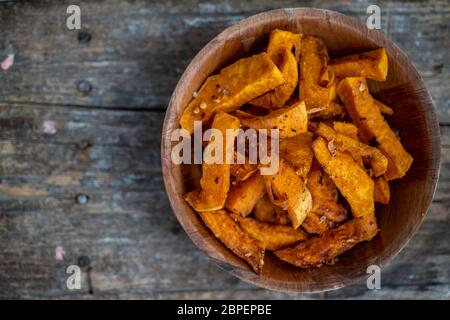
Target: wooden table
[(80, 121)]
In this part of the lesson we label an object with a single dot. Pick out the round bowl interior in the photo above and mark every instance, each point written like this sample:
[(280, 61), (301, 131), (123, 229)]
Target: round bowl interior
[(414, 117)]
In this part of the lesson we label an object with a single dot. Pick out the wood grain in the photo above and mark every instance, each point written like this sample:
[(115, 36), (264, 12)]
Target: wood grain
[(162, 38), (135, 245)]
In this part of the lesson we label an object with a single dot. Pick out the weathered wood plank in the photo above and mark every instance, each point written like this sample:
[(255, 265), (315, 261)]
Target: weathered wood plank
[(135, 245), (138, 49), (142, 263)]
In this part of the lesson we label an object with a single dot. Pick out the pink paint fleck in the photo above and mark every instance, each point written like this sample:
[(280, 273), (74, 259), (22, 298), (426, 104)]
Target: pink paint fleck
[(8, 62), (49, 126), (59, 253)]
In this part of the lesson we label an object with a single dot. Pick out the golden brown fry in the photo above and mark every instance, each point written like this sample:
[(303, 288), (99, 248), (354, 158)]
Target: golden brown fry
[(244, 195), (316, 224), (242, 171), (373, 127), (277, 97), (298, 153), (234, 86), (289, 190), (384, 109), (280, 41), (322, 249), (325, 197), (349, 129), (357, 149), (371, 64), (266, 211), (230, 233), (289, 121), (215, 181), (381, 192), (352, 181), (313, 66), (272, 237)]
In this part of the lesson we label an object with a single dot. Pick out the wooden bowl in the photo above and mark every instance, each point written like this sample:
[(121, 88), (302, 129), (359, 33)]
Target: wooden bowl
[(414, 116)]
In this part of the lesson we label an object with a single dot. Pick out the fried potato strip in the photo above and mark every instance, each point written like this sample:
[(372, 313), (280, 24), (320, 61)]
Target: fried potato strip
[(298, 153), (244, 195), (373, 127), (314, 91), (349, 129), (286, 187), (371, 64), (281, 40), (277, 97), (351, 180), (215, 180), (266, 211), (272, 237), (323, 249), (234, 238), (384, 109), (357, 149), (316, 224), (234, 86), (289, 121), (325, 196), (382, 191)]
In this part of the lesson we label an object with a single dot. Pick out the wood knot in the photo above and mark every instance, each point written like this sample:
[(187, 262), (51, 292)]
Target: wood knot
[(84, 36), (84, 262), (84, 144), (84, 86), (82, 199)]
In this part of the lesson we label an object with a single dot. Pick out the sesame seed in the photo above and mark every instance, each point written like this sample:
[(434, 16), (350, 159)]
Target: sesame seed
[(362, 87), (332, 148), (196, 110), (203, 105)]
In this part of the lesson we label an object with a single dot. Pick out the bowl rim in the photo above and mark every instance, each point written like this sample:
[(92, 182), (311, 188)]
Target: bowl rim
[(260, 19)]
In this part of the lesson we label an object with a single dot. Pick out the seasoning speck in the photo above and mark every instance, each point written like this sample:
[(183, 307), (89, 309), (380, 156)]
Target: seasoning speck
[(332, 148), (373, 142), (362, 87)]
